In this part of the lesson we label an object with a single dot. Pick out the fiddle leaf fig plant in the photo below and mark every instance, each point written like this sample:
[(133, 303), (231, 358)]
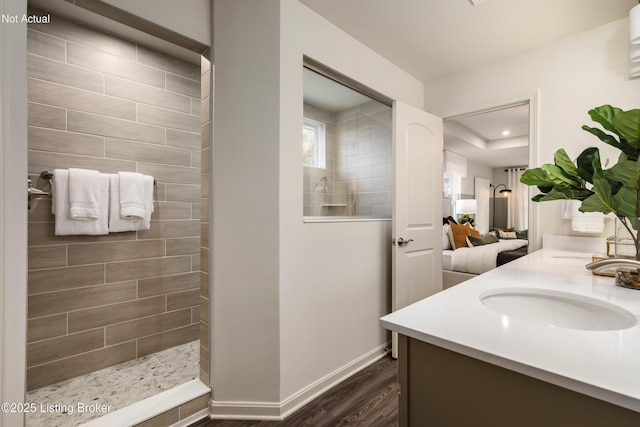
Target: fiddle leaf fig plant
[(615, 190)]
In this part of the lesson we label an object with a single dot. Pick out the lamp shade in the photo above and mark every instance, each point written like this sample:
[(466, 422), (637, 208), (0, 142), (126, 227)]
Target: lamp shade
[(634, 25), (466, 206)]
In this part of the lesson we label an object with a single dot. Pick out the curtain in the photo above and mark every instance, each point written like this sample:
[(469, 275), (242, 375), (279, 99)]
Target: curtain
[(518, 205)]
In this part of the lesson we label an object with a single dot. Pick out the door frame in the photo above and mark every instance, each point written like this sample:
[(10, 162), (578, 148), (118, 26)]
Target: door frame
[(13, 211), (533, 99)]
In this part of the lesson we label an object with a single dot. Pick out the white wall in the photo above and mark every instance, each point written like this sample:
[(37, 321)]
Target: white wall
[(573, 75), (474, 169), (13, 211), (308, 296), (187, 17)]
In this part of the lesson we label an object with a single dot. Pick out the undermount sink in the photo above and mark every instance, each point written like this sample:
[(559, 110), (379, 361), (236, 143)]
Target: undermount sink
[(558, 309)]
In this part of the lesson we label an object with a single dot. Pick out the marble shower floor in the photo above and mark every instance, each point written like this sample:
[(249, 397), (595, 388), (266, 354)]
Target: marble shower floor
[(117, 386)]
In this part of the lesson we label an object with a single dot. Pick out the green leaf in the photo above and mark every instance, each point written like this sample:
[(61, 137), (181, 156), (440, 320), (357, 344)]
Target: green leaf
[(594, 203), (625, 202), (563, 161), (585, 163), (565, 193), (606, 138), (605, 115), (537, 176), (558, 176), (601, 186), (537, 198), (627, 172), (627, 124)]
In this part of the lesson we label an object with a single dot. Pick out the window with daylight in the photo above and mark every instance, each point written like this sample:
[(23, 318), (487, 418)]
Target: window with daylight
[(313, 143)]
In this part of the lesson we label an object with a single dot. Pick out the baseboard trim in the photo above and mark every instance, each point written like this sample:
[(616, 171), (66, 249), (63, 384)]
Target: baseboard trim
[(277, 411)]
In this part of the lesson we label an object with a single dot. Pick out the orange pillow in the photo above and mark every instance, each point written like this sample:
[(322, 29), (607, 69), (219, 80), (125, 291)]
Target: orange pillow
[(460, 233)]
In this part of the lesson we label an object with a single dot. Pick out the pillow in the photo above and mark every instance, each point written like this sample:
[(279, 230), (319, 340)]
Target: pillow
[(446, 242), (485, 239), (524, 234), (459, 234), (507, 235)]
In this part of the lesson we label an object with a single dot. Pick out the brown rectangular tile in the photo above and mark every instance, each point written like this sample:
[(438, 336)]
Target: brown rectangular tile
[(143, 152), (44, 45), (183, 193), (65, 74), (204, 364), (127, 89), (205, 135), (159, 342), (168, 118), (42, 233), (205, 110), (78, 299), (205, 210), (195, 262), (51, 373), (172, 210), (182, 139), (40, 210), (171, 174), (115, 65), (130, 270), (168, 63), (183, 85), (204, 309), (204, 284), (204, 234), (204, 334), (204, 258), (165, 419), (52, 140), (183, 246), (100, 316), (205, 86), (47, 257), (40, 161), (42, 328), (196, 210), (91, 253), (147, 326), (71, 98), (69, 345), (171, 229), (196, 105), (185, 299), (194, 406), (47, 116), (93, 124), (167, 284), (58, 279)]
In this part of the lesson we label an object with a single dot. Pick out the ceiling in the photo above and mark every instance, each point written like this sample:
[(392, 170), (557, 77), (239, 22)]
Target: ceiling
[(435, 38)]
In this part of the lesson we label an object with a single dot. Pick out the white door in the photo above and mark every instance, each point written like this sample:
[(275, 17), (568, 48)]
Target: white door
[(417, 207)]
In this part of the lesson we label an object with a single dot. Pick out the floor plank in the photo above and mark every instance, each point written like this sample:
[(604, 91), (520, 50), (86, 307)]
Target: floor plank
[(368, 398)]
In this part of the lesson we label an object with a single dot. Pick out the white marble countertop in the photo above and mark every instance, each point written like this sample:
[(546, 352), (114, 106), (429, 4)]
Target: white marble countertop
[(602, 364)]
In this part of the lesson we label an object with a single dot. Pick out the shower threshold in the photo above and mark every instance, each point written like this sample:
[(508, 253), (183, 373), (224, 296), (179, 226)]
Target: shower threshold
[(81, 399)]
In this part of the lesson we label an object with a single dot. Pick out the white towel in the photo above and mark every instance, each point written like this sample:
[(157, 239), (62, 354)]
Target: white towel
[(60, 207), (132, 204), (584, 222), (84, 194), (116, 222)]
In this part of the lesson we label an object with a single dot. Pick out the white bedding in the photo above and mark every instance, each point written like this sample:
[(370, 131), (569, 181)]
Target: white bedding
[(447, 257), (479, 259)]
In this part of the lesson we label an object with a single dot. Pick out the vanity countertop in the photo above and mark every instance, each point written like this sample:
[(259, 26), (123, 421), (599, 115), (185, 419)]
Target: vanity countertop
[(601, 364)]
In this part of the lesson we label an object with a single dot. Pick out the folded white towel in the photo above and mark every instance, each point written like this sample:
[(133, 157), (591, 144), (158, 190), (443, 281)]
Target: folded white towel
[(60, 207), (84, 194), (584, 222), (119, 224), (131, 195)]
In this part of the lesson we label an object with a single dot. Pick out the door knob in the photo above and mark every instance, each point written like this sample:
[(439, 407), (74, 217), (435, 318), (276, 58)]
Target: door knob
[(402, 242)]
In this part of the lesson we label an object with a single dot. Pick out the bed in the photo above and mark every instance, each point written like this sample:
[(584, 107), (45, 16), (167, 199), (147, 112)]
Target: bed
[(466, 262)]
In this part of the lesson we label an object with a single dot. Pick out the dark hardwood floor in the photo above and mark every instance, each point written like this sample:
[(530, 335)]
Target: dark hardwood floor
[(369, 398)]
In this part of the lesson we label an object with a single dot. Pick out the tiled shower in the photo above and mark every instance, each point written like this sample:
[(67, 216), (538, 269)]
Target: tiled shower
[(97, 101), (357, 179)]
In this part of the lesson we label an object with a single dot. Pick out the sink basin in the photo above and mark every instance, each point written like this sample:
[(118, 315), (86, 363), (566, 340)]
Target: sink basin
[(558, 309)]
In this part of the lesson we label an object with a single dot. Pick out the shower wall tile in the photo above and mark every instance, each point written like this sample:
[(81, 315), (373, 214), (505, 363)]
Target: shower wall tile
[(140, 269), (183, 300), (59, 72), (168, 63), (41, 161), (58, 348), (152, 153), (172, 174), (182, 193), (182, 139), (81, 320), (47, 257), (183, 246), (167, 285), (194, 406), (45, 327), (57, 95), (45, 45), (46, 116), (170, 229), (158, 342), (39, 281), (42, 233), (113, 127), (171, 119), (104, 252), (57, 141), (139, 328), (145, 94), (173, 210), (183, 85), (60, 370)]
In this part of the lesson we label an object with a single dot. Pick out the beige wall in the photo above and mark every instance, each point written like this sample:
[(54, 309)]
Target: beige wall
[(100, 102)]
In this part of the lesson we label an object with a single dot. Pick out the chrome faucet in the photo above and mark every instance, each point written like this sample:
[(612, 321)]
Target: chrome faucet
[(613, 262)]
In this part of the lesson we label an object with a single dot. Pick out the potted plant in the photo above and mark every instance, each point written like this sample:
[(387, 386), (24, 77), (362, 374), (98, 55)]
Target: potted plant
[(614, 190)]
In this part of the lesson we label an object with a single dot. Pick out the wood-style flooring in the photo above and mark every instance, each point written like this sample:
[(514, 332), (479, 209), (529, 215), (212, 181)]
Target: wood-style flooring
[(369, 398)]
